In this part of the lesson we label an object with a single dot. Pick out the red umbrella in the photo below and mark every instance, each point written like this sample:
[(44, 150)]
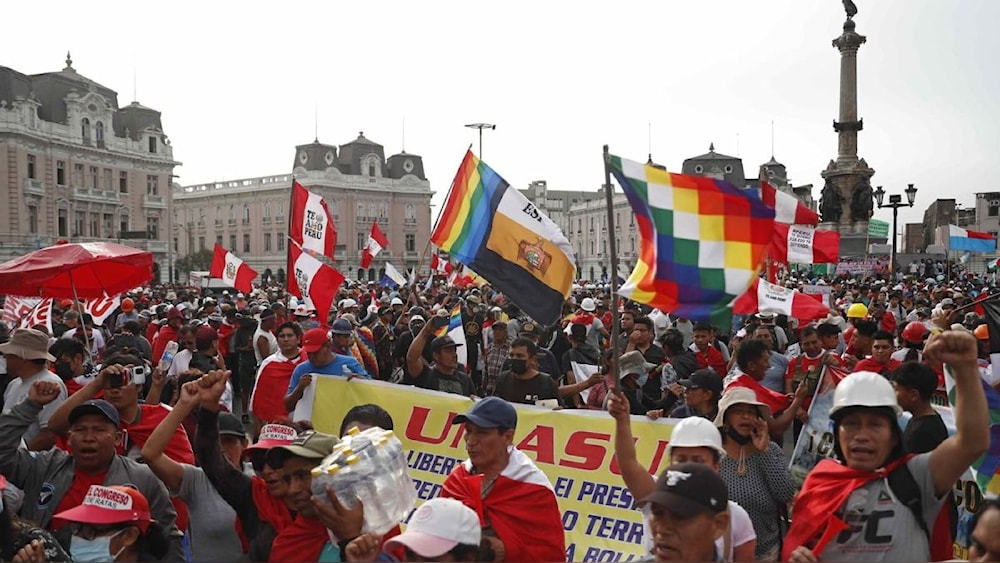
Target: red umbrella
[(78, 270)]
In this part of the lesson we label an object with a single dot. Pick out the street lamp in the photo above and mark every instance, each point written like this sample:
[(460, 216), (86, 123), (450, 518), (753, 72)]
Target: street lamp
[(481, 126), (895, 202)]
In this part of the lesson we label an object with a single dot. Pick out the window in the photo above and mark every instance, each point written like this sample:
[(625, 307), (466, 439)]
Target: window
[(604, 246), (411, 242), (361, 211), (281, 209), (383, 209), (123, 222), (371, 209), (201, 243), (232, 212), (246, 243), (411, 212), (85, 130), (62, 223), (267, 242), (60, 173), (218, 240), (31, 166), (632, 244), (267, 209), (579, 225), (32, 219), (79, 224), (371, 169), (153, 228), (362, 240), (232, 242), (99, 133), (591, 248), (78, 175), (123, 182), (176, 245), (152, 184), (281, 242), (246, 214), (994, 209), (107, 179), (332, 206), (152, 144), (109, 225), (93, 177)]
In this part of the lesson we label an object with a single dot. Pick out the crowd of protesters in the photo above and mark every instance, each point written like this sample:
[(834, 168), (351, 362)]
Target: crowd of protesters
[(167, 433)]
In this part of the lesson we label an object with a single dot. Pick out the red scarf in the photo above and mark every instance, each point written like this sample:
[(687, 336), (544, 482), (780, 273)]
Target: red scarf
[(524, 515), (827, 488), (267, 400), (270, 510), (777, 402), (303, 540)]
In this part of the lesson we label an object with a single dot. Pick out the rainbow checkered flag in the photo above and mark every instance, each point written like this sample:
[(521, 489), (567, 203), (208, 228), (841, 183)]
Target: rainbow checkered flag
[(703, 241), (986, 469)]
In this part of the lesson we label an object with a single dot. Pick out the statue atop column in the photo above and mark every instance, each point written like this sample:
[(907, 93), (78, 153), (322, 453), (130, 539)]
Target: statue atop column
[(850, 8), (830, 206), (861, 202)]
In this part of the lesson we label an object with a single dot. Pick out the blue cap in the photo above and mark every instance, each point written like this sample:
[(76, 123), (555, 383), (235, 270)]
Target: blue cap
[(342, 326), (96, 406), (491, 412)]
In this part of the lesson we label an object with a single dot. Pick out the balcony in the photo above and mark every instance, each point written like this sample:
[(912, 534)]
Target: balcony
[(151, 201), (95, 195), (232, 222), (34, 187), (410, 255), (266, 220)]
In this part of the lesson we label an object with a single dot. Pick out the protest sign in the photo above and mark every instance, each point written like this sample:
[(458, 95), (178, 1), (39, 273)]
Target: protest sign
[(574, 448), (822, 292)]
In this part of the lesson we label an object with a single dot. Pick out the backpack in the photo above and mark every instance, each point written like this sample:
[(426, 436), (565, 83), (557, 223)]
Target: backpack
[(904, 486)]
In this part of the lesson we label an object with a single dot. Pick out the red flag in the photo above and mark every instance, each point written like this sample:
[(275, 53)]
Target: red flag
[(787, 208), (765, 297), (232, 270), (312, 224), (308, 278), (802, 244), (376, 242), (440, 266)]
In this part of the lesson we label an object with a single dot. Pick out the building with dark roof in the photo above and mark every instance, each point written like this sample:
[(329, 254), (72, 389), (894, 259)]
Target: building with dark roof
[(75, 166)]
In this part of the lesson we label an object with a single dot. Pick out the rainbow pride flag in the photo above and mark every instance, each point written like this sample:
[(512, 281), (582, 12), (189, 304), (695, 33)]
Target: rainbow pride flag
[(703, 241), (494, 230), (986, 469), (456, 330), (454, 321)]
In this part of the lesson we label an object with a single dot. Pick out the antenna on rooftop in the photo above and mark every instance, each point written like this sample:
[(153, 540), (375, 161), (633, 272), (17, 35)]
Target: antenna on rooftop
[(316, 121)]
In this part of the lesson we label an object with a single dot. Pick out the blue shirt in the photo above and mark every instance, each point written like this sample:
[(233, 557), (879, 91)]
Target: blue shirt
[(341, 365)]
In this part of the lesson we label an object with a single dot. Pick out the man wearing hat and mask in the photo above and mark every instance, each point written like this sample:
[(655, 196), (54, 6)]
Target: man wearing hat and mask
[(634, 374), (27, 355)]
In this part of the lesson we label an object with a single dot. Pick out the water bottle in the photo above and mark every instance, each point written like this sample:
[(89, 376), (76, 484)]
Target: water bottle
[(168, 357)]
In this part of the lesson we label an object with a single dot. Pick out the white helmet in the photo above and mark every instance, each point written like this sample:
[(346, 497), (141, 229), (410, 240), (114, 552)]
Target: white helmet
[(588, 304), (695, 432), (864, 389)]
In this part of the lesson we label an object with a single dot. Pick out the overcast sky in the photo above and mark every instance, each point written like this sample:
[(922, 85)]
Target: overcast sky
[(239, 83)]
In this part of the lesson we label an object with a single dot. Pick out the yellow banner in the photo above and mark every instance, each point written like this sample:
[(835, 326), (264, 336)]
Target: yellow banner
[(573, 448)]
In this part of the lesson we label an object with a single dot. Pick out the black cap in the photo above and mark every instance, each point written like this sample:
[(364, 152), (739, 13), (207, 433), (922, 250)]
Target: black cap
[(95, 406), (704, 379), (689, 489), (230, 425), (534, 329), (491, 412), (384, 310), (266, 314), (442, 342)]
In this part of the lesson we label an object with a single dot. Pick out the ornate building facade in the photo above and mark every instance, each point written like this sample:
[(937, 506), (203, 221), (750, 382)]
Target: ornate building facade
[(250, 216), (74, 166)]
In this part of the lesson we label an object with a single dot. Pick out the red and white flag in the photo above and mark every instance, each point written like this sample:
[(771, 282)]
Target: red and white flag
[(308, 278), (802, 244), (439, 265), (15, 309), (376, 242), (232, 270), (787, 208), (312, 224), (100, 308), (765, 297)]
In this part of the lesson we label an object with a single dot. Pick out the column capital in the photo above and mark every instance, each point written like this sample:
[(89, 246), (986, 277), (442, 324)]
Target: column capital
[(849, 41)]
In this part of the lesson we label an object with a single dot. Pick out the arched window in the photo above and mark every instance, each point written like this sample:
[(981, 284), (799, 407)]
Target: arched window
[(332, 206), (411, 212), (361, 210), (361, 274), (281, 209), (371, 209), (591, 247), (85, 130), (371, 169), (246, 214), (232, 212), (99, 132), (632, 243), (267, 209)]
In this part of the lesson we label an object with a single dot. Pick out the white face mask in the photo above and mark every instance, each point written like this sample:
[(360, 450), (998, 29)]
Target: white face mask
[(97, 549)]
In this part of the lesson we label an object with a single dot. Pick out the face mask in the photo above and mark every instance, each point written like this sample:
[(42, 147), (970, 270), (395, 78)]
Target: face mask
[(518, 365), (641, 379), (97, 549), (737, 437), (64, 371)]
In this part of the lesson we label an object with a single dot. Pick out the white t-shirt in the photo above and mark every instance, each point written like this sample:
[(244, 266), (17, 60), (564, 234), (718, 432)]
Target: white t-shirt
[(272, 344), (740, 531), (181, 363), (17, 391)]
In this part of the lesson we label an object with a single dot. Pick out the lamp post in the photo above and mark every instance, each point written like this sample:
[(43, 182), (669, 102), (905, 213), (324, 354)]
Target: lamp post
[(895, 202), (481, 126)]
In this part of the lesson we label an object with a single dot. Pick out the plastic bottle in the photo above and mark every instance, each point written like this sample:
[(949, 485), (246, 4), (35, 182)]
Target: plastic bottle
[(167, 359)]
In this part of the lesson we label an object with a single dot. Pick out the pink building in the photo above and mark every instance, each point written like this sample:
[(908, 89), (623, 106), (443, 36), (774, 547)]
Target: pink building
[(250, 216), (74, 166)]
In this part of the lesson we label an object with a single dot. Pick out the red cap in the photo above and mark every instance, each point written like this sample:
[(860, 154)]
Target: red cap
[(110, 505), (272, 435), (314, 339)]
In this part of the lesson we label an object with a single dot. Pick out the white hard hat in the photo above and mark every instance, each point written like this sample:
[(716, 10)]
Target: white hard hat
[(588, 304), (736, 396), (695, 432), (396, 301), (348, 303), (864, 389)]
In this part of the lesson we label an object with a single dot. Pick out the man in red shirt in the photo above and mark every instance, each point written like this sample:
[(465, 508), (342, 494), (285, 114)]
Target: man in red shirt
[(267, 400), (881, 360), (167, 333), (708, 356)]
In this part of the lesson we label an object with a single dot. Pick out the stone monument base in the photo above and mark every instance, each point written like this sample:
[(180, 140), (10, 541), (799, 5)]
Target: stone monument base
[(856, 244)]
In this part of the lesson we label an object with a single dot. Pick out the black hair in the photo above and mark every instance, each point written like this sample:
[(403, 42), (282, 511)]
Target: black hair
[(132, 326), (988, 504), (808, 331), (578, 332), (68, 346), (153, 542), (827, 329), (673, 341), (865, 328), (750, 350), (369, 414), (703, 327), (918, 376), (646, 322), (123, 359), (897, 448), (526, 343), (882, 335), (292, 325)]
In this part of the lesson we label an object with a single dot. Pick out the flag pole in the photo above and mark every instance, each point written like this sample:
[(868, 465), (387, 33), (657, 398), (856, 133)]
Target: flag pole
[(288, 243), (615, 314)]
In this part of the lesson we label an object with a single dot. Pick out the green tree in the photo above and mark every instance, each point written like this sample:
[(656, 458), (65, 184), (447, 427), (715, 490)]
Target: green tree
[(198, 261)]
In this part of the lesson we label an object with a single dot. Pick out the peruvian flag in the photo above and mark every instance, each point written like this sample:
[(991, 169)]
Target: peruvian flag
[(233, 271), (787, 208), (376, 242), (439, 266), (764, 297), (312, 225), (803, 244), (312, 279)]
